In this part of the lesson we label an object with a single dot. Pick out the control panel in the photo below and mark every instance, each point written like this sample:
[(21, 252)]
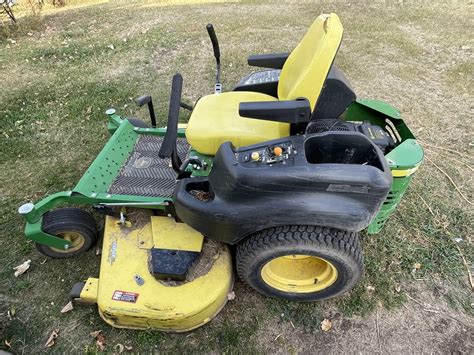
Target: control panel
[(278, 153)]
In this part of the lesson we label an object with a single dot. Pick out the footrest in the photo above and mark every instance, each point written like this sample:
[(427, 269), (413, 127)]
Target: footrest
[(145, 173)]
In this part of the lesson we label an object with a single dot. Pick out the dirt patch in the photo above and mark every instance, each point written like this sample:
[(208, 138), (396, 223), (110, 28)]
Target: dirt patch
[(425, 322), (138, 217)]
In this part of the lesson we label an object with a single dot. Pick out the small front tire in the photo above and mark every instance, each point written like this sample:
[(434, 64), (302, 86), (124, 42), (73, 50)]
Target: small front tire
[(300, 263), (72, 224)]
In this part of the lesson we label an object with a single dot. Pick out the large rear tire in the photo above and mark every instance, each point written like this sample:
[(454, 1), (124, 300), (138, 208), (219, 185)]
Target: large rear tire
[(300, 263), (72, 224)]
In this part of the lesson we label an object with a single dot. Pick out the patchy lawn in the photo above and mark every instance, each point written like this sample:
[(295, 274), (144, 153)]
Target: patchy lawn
[(59, 76)]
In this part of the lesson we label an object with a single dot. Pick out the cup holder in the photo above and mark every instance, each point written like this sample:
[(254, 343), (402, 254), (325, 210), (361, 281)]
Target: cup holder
[(200, 190)]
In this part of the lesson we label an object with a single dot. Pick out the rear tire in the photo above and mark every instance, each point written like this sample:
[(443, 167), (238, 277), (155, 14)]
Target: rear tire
[(73, 224), (300, 263)]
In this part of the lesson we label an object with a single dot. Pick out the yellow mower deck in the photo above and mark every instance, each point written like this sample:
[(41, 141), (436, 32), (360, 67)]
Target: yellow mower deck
[(129, 296)]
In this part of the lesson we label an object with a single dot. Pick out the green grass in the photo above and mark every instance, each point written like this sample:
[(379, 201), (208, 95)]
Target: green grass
[(59, 79)]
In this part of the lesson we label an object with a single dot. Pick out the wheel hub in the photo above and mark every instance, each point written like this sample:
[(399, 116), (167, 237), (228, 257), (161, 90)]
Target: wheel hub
[(76, 242), (299, 273)]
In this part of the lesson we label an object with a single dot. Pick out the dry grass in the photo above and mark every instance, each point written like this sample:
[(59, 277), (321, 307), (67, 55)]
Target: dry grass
[(417, 56)]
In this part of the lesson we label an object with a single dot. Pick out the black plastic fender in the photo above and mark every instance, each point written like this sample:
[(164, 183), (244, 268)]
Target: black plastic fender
[(245, 196)]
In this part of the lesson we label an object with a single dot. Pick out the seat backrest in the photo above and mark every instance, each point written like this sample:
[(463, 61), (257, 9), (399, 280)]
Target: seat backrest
[(307, 67)]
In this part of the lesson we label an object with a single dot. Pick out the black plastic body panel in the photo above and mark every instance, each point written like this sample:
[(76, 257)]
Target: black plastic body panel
[(375, 133), (246, 196), (336, 95), (271, 60)]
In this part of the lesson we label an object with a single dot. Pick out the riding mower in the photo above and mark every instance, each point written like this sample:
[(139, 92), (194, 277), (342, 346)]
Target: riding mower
[(275, 179)]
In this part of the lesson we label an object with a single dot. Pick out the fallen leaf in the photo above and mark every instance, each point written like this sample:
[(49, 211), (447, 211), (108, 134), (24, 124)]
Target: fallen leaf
[(96, 333), (100, 342), (11, 313), (22, 268), (119, 348), (370, 288), (99, 339), (128, 347), (110, 46), (326, 325), (67, 308), (50, 342), (231, 296), (398, 288), (8, 343), (416, 266)]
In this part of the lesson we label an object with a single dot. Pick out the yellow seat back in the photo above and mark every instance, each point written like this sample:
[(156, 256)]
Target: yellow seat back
[(307, 67)]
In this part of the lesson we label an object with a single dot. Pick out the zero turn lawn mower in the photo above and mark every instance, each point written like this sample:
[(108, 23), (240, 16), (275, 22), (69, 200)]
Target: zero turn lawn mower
[(285, 170)]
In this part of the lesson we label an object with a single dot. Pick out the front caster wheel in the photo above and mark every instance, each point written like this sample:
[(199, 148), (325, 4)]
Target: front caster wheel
[(300, 263), (72, 224)]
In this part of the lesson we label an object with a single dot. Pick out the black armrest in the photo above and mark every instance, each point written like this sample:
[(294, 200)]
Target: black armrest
[(272, 60), (291, 111)]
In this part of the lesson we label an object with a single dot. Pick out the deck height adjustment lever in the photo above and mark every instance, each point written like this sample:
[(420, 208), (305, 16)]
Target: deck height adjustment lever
[(217, 55)]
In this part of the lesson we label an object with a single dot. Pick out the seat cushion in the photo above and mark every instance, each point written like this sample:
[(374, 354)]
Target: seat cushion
[(215, 120)]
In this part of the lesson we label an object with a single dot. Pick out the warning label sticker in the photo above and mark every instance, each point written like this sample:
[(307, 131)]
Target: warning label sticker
[(125, 296)]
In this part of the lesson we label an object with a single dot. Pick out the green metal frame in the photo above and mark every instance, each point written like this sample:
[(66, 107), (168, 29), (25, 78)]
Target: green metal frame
[(92, 187), (403, 161)]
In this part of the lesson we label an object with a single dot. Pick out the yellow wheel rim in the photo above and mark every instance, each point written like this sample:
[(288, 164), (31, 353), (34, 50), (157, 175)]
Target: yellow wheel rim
[(76, 239), (299, 273)]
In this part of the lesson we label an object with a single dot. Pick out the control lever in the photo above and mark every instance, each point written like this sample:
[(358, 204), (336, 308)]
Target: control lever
[(217, 54), (168, 147), (146, 99), (182, 169)]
